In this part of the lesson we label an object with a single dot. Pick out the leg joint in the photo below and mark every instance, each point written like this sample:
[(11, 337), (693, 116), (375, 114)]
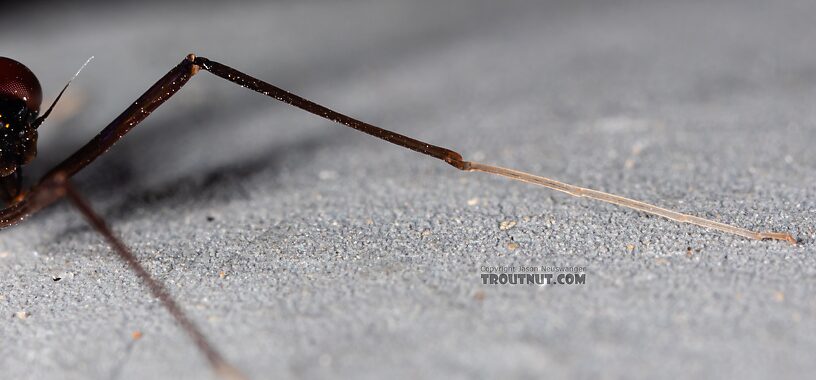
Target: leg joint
[(191, 58)]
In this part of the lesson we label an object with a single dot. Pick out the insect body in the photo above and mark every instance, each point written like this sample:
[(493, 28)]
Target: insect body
[(20, 97)]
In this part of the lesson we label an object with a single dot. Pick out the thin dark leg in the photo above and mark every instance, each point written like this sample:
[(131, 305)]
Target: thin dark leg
[(221, 366), (287, 97), (154, 97)]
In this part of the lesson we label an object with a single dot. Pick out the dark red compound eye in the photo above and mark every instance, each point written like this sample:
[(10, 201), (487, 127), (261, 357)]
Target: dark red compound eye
[(18, 82)]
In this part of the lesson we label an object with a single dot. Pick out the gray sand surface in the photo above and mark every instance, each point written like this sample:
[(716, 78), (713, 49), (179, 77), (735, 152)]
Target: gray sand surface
[(309, 251)]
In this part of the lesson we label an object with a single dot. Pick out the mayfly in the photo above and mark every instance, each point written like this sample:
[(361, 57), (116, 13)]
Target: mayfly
[(20, 100)]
